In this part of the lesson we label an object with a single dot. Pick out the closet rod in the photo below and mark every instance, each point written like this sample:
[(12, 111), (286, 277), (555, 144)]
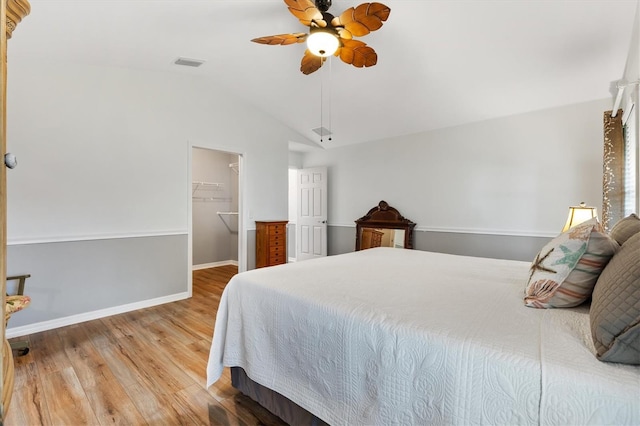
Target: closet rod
[(211, 199), (207, 183)]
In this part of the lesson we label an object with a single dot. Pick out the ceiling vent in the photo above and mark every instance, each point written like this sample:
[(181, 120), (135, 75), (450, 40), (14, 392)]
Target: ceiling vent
[(322, 131), (189, 62)]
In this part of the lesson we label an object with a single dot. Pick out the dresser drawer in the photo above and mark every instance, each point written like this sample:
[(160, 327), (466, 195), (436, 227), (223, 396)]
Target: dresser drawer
[(277, 260), (274, 250), (276, 230), (277, 255), (277, 240)]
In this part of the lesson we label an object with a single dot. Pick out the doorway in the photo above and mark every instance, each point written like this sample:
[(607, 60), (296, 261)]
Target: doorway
[(215, 202)]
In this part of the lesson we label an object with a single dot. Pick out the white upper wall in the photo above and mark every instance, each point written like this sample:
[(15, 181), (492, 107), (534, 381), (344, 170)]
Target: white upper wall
[(104, 151), (515, 175), (632, 91)]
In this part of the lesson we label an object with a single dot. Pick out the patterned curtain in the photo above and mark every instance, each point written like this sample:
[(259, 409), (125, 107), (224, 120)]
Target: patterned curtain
[(613, 170)]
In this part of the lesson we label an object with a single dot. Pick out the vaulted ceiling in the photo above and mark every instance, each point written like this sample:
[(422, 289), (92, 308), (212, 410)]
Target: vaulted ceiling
[(440, 63)]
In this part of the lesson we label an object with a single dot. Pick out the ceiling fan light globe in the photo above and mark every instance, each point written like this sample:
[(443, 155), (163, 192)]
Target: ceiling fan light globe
[(322, 43)]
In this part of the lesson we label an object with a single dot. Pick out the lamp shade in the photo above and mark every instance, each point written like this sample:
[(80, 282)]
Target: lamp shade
[(579, 214), (322, 43)]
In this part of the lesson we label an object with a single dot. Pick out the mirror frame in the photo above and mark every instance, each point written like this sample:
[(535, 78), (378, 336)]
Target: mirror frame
[(384, 216)]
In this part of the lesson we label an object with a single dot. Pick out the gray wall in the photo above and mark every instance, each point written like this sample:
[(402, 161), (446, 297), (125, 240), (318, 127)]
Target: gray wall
[(291, 240), (341, 239), (251, 249), (77, 277)]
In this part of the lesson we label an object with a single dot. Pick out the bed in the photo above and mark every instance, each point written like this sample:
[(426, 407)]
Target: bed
[(391, 336)]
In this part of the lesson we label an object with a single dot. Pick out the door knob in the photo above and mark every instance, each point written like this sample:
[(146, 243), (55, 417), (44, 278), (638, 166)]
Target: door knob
[(10, 160)]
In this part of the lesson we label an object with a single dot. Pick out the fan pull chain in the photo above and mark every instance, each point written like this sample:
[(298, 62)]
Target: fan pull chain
[(330, 131), (322, 90), (321, 103)]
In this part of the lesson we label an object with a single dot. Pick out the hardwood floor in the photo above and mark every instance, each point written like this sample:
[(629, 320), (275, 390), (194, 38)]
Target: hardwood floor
[(137, 368)]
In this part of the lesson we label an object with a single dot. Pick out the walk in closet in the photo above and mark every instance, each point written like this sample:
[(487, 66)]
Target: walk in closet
[(214, 193)]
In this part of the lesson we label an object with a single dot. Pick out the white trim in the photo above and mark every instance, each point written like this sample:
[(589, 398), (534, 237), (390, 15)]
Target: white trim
[(621, 85), (215, 264), (480, 231), (616, 103), (189, 201), (291, 260), (89, 316), (627, 112), (75, 238)]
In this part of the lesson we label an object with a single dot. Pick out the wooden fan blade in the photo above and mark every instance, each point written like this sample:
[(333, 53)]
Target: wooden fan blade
[(363, 19), (283, 39), (344, 33), (357, 53), (311, 62), (307, 12)]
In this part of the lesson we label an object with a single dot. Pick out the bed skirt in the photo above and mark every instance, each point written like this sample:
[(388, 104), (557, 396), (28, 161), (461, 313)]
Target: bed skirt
[(277, 404)]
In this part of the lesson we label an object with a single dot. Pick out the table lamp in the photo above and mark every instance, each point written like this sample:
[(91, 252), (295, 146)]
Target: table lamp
[(579, 214)]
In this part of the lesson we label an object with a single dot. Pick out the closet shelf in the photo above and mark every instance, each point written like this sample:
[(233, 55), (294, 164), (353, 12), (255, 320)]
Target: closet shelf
[(205, 186), (231, 224)]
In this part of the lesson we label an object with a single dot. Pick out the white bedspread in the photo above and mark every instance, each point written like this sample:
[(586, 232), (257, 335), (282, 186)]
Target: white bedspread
[(388, 336)]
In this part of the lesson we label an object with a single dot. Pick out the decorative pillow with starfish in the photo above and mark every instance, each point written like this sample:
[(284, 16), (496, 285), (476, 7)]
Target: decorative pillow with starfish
[(565, 271)]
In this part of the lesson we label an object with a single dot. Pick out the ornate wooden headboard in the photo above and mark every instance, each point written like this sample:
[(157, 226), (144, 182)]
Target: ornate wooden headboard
[(370, 228)]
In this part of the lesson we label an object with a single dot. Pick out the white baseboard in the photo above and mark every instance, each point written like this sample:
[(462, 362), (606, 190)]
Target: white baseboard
[(215, 264), (88, 316), (291, 259)]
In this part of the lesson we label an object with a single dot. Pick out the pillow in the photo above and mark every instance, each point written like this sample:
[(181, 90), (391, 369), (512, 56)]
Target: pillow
[(565, 271), (615, 308), (625, 228)]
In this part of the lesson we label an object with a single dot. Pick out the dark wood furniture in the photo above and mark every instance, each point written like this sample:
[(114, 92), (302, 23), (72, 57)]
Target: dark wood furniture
[(370, 238), (271, 243), (384, 226)]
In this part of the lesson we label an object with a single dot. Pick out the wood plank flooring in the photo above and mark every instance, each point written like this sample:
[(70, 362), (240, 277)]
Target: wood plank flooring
[(139, 368)]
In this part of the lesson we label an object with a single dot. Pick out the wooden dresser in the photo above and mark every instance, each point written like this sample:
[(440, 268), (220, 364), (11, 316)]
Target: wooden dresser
[(271, 243)]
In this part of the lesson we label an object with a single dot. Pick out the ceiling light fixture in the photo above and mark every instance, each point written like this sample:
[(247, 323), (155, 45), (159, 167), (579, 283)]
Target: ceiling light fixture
[(332, 35), (322, 42)]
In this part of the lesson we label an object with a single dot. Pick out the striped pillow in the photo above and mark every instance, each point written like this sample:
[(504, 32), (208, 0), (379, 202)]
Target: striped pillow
[(565, 271)]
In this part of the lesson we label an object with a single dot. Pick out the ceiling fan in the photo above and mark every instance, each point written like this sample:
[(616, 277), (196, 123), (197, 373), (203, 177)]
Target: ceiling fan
[(331, 35)]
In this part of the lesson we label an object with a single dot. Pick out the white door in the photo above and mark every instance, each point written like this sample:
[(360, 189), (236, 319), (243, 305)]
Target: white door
[(311, 224)]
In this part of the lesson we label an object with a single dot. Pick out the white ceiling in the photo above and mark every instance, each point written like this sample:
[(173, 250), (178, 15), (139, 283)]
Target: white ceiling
[(441, 63)]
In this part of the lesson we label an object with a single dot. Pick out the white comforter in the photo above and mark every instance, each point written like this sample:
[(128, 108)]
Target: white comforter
[(388, 336)]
